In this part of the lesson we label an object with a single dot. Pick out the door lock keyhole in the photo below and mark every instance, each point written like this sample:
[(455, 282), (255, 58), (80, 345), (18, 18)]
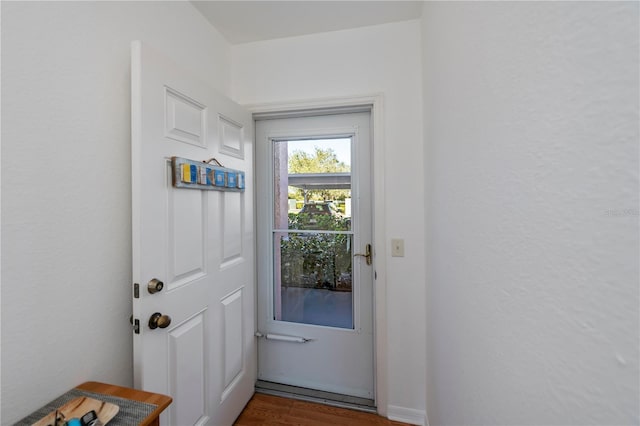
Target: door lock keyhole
[(154, 286)]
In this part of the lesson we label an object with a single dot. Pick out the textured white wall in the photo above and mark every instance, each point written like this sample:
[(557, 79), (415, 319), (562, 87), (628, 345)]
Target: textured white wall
[(531, 113), (66, 233), (380, 59)]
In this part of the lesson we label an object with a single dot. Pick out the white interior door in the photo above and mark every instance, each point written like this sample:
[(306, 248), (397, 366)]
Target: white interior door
[(315, 294), (199, 243)]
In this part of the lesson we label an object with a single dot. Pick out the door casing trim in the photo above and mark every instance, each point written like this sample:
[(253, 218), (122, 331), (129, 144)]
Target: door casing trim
[(374, 103)]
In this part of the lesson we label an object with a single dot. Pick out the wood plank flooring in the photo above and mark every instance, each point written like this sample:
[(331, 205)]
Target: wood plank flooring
[(268, 410)]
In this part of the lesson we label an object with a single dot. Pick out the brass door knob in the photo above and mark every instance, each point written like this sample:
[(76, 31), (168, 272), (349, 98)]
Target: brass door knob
[(154, 286), (158, 320)]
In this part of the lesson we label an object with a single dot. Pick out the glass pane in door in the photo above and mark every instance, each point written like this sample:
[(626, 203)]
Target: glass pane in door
[(312, 232), (315, 279)]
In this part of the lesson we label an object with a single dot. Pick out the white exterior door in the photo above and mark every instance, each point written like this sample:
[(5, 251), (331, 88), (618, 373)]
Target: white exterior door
[(315, 293), (198, 243)]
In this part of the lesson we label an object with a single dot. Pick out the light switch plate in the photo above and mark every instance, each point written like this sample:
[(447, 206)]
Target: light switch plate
[(397, 247)]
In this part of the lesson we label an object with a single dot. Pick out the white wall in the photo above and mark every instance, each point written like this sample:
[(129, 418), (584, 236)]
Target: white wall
[(66, 233), (381, 59), (531, 133)]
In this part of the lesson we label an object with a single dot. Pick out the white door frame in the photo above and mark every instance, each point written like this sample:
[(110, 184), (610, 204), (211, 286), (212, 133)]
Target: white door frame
[(343, 104)]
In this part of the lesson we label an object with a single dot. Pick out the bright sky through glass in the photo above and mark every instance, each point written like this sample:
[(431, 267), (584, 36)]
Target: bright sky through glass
[(342, 147)]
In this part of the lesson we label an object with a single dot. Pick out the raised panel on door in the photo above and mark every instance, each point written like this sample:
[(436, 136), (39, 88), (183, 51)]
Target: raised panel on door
[(231, 137), (233, 340), (187, 371), (187, 236), (232, 227), (185, 118)]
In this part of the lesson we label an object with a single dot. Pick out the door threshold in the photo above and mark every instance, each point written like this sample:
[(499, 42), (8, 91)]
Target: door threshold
[(312, 395)]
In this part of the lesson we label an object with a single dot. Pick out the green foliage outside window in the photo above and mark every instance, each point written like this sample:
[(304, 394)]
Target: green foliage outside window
[(317, 260)]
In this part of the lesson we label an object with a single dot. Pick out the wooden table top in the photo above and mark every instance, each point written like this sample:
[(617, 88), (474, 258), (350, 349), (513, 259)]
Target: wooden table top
[(161, 401)]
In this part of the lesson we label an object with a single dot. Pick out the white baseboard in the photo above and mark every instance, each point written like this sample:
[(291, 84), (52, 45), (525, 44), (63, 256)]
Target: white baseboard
[(407, 415)]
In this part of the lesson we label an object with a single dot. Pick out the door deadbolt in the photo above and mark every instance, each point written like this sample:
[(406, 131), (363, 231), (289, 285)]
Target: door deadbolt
[(158, 320), (154, 286)]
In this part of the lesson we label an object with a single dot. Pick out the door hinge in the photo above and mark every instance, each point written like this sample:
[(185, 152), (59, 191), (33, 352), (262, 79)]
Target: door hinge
[(135, 323), (136, 291)]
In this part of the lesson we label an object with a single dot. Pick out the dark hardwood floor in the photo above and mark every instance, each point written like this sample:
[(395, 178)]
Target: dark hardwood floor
[(274, 410)]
